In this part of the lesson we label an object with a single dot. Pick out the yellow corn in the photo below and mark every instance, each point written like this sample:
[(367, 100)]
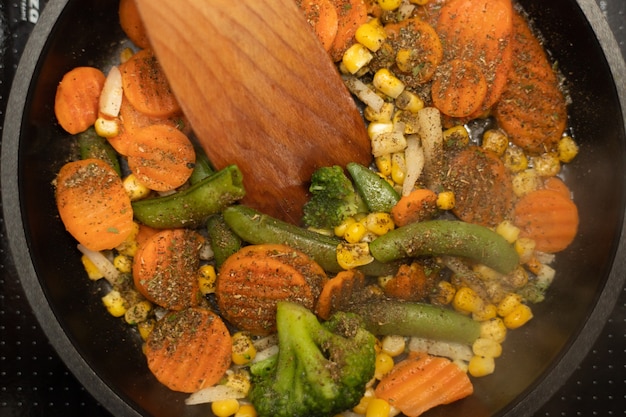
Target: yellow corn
[(351, 255), (225, 408), (123, 264), (515, 159), (243, 348), (409, 101), (467, 301), (107, 128), (488, 312), (389, 4), (355, 232), (407, 120), (508, 303), (145, 328), (384, 364), (387, 83), (138, 312), (487, 348), (92, 270), (547, 164), (525, 181), (567, 149), (341, 229), (525, 248), (371, 34), (393, 345), (443, 293), (361, 407), (456, 136), (114, 303), (383, 164), (207, 279), (446, 200), (356, 57), (485, 273), (398, 168), (495, 141), (493, 329), (126, 54), (129, 246), (518, 278), (378, 407), (134, 188), (481, 366), (403, 60), (379, 223), (508, 231), (246, 410), (239, 380), (383, 115), (518, 317)]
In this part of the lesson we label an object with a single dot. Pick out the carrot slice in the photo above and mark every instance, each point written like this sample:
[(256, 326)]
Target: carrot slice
[(422, 382), (350, 15), (161, 156), (419, 205), (549, 218), (165, 268), (253, 280), (146, 87), (481, 186), (459, 89), (77, 99), (410, 283), (532, 109), (189, 350), (131, 23), (322, 17), (339, 292), (557, 184), (479, 31), (93, 204)]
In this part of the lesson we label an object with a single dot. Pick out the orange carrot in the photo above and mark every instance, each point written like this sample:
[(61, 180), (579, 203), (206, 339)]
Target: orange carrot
[(338, 292), (146, 87), (145, 233), (131, 23), (350, 14), (253, 280), (459, 89), (422, 382), (557, 184), (322, 17), (549, 218), (481, 186), (93, 204), (161, 156), (479, 31), (165, 268), (532, 109), (77, 99), (410, 283), (420, 204), (189, 350)]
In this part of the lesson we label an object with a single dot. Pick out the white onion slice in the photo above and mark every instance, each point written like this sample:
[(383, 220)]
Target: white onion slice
[(112, 93), (106, 267), (414, 159), (214, 393)]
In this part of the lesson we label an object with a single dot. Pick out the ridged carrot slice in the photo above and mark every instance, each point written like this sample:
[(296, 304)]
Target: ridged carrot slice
[(350, 15), (322, 17), (339, 291), (77, 99)]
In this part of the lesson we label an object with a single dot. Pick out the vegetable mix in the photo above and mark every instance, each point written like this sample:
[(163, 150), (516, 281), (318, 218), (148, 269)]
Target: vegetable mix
[(403, 278)]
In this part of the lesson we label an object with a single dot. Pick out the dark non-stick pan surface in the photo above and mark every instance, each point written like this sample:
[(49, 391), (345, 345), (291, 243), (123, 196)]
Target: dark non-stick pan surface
[(104, 354)]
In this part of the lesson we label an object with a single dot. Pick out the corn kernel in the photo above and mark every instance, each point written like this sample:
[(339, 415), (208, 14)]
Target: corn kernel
[(123, 264), (356, 57), (485, 273), (355, 232), (383, 164), (398, 168), (126, 54), (340, 230), (547, 164), (393, 345), (495, 141), (207, 279), (467, 300), (516, 279), (225, 408), (515, 159), (508, 231), (361, 407), (487, 348), (488, 312), (378, 407), (114, 303), (388, 83), (371, 34), (403, 60), (508, 303), (246, 410), (138, 312), (456, 137), (493, 329), (384, 114), (481, 366), (389, 5), (243, 348), (134, 188), (145, 328), (379, 223), (567, 149), (388, 143), (446, 200), (384, 364), (92, 270), (238, 380), (525, 182), (443, 293), (409, 101), (107, 128), (518, 317), (351, 255), (525, 247)]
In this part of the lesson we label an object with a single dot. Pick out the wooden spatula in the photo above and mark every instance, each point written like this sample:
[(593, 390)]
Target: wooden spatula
[(259, 91)]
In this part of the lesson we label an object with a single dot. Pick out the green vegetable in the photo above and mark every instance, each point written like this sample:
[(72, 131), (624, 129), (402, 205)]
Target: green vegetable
[(257, 228), (193, 206), (392, 317), (447, 237), (224, 242), (320, 370), (202, 167), (333, 199), (94, 146), (378, 194)]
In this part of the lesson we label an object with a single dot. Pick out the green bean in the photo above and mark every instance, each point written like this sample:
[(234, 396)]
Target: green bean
[(257, 228), (202, 167), (447, 237), (392, 317), (193, 206), (92, 145), (378, 194), (222, 239)]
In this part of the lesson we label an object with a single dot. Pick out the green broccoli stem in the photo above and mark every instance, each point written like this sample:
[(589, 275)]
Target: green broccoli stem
[(224, 242), (192, 207), (447, 237), (92, 145), (392, 317), (378, 194)]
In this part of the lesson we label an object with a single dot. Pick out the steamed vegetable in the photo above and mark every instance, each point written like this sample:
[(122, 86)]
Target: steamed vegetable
[(77, 99)]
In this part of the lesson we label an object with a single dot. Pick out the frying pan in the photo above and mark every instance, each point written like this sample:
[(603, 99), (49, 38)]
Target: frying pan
[(105, 355)]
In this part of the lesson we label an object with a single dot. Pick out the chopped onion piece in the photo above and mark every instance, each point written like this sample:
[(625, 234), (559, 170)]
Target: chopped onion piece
[(414, 159), (451, 350), (214, 393), (112, 93), (106, 267), (265, 353), (429, 124), (388, 142), (265, 342), (367, 95)]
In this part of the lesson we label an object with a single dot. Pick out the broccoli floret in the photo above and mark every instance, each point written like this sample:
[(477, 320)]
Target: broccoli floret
[(320, 369), (333, 198)]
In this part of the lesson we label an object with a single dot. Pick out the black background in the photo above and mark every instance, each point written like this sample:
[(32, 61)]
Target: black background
[(35, 382)]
